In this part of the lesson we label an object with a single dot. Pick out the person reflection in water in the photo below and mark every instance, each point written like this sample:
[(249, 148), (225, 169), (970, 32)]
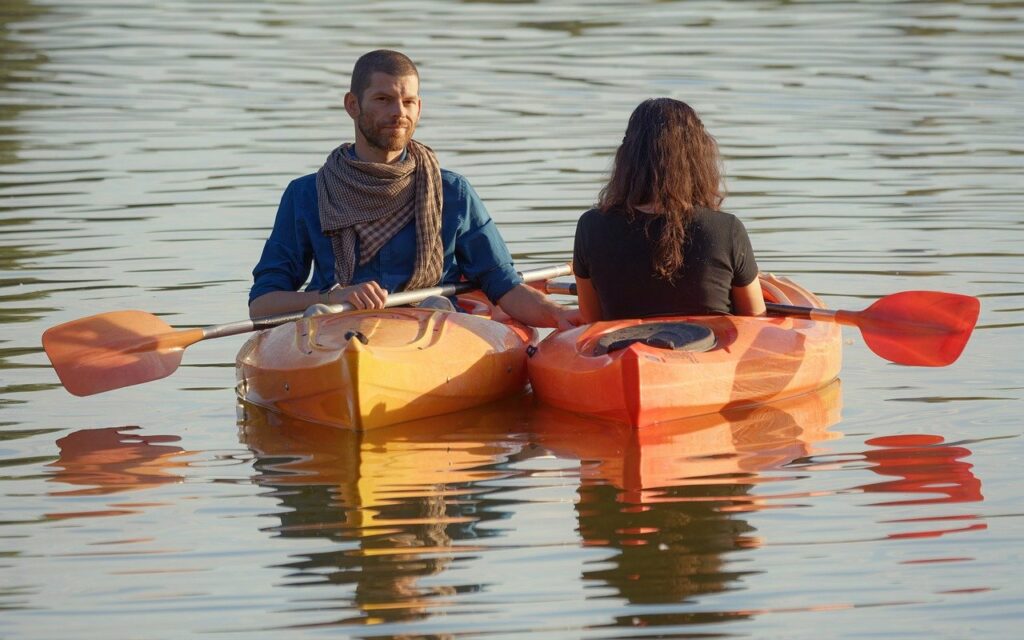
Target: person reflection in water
[(670, 549), (386, 563), (669, 499)]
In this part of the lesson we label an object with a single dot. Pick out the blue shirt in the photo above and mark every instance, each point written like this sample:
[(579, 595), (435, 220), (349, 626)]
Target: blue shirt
[(473, 248)]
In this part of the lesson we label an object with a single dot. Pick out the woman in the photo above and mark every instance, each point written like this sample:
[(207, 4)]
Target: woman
[(656, 243)]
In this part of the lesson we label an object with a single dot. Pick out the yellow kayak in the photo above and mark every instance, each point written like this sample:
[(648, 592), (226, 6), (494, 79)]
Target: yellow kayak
[(367, 369)]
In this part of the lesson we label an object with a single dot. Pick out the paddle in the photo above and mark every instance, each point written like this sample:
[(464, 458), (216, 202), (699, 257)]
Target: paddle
[(121, 348), (923, 328)]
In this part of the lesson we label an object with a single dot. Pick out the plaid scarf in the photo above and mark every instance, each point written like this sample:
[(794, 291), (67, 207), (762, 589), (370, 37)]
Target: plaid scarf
[(374, 201)]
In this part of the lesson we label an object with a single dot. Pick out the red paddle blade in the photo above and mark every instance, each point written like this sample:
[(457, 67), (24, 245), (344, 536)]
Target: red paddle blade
[(113, 350), (923, 328)]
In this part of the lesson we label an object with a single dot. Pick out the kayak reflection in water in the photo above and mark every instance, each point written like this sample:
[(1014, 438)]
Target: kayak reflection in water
[(668, 498), (657, 244), (399, 503), (404, 504)]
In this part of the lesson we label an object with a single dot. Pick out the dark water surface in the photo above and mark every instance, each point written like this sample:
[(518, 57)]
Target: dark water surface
[(870, 147)]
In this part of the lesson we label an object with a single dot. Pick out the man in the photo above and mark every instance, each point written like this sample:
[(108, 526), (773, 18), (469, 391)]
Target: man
[(380, 215)]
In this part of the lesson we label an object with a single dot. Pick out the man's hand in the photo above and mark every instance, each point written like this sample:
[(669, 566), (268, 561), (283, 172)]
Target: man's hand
[(568, 317), (529, 306), (365, 295)]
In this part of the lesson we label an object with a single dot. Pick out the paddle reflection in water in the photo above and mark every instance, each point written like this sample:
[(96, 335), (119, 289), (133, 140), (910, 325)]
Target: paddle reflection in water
[(666, 497), (402, 502), (925, 464), (113, 460)]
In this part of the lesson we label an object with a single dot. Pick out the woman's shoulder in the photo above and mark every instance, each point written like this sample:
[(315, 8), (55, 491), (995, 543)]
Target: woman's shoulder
[(716, 218), (597, 221), (606, 216), (713, 213)]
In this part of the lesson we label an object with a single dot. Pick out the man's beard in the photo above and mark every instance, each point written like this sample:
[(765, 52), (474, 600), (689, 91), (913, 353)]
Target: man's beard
[(384, 140)]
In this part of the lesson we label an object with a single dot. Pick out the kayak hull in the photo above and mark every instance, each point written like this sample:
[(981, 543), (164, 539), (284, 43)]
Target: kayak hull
[(368, 369), (754, 360)]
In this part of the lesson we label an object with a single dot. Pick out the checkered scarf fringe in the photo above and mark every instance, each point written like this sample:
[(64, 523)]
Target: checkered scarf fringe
[(374, 201)]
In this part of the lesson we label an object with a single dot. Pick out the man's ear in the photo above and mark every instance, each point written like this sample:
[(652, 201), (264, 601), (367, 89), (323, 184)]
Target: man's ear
[(352, 105)]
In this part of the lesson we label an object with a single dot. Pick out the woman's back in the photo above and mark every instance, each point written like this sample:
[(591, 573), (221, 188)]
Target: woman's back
[(616, 252), (656, 244)]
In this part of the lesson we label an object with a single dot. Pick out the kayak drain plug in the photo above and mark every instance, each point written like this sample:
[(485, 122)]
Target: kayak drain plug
[(358, 335)]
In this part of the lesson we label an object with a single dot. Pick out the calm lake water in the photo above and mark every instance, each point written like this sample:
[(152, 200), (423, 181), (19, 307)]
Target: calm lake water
[(870, 147)]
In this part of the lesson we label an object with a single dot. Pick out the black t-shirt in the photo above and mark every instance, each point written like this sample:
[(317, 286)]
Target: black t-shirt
[(615, 253)]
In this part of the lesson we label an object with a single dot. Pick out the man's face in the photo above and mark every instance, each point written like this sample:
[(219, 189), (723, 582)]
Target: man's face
[(388, 112)]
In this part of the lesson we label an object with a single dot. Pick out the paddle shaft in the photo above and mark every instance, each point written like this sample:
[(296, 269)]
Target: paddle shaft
[(808, 313), (866, 321), (561, 288), (793, 311), (812, 313), (394, 300)]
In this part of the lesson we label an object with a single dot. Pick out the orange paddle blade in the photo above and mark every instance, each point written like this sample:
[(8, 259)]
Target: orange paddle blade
[(114, 350), (923, 328)]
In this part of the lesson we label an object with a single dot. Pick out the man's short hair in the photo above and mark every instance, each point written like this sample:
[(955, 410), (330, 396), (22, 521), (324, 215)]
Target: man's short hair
[(386, 61)]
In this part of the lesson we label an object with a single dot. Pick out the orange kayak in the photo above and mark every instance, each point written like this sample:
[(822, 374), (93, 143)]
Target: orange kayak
[(367, 369), (642, 372)]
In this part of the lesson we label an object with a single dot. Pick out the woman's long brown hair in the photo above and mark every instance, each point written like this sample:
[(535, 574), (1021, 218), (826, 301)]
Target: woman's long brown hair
[(667, 161)]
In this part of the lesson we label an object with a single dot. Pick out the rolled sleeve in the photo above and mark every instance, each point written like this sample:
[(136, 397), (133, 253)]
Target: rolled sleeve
[(287, 255), (580, 261), (745, 267), (482, 255)]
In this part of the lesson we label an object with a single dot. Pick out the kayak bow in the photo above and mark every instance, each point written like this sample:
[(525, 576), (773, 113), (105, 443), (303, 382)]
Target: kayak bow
[(369, 369)]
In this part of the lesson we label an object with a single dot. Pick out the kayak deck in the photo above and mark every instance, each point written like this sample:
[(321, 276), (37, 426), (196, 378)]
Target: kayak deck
[(754, 360)]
